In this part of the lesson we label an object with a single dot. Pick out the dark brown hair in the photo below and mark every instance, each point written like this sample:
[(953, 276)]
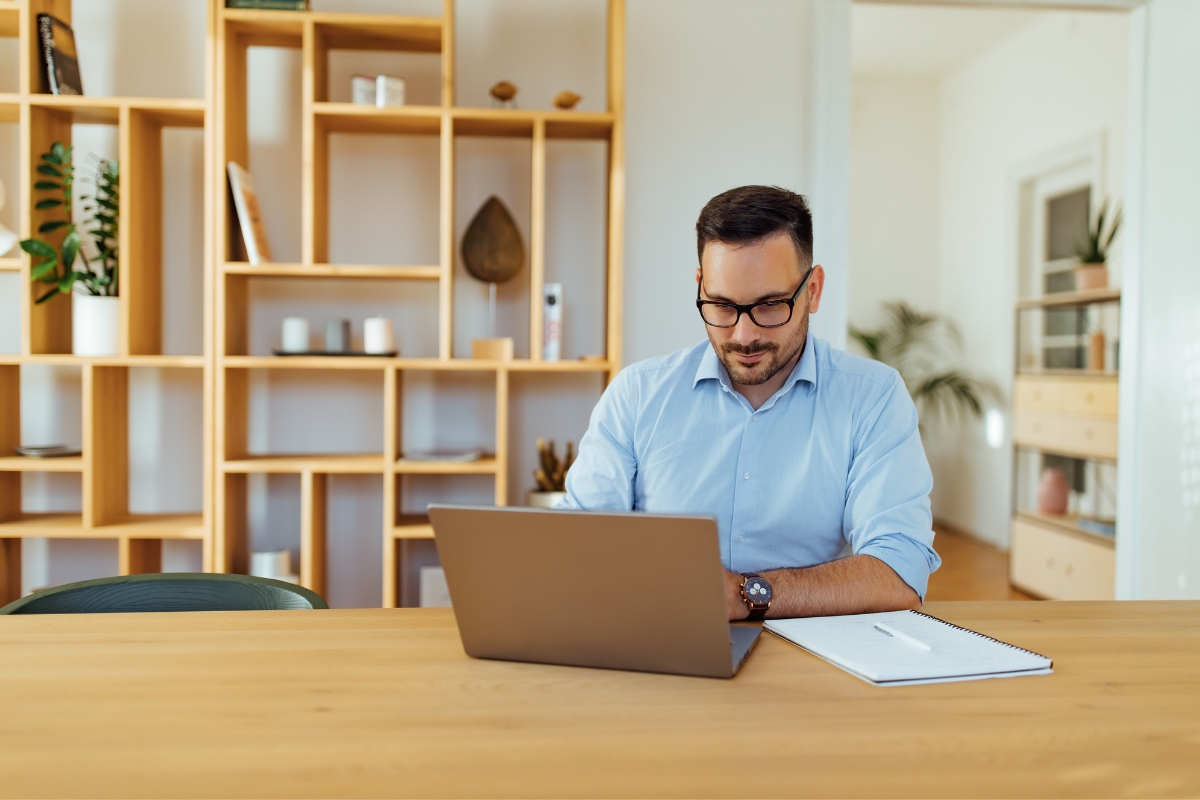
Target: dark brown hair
[(749, 214)]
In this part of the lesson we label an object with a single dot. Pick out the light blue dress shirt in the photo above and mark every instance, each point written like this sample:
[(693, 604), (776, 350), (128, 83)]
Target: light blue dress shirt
[(831, 464)]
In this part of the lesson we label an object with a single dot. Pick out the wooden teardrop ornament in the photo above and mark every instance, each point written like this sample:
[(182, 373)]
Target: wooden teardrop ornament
[(492, 249)]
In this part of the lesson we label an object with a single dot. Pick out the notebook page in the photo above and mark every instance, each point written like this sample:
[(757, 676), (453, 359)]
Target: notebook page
[(853, 643)]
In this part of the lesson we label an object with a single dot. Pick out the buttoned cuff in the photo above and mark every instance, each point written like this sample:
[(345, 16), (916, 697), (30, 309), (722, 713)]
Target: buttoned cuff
[(910, 559)]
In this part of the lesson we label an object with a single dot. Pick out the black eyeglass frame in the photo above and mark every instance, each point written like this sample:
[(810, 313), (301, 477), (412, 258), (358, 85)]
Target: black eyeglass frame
[(748, 310)]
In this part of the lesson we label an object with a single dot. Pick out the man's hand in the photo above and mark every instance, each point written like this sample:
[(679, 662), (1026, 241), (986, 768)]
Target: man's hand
[(733, 597), (855, 585)]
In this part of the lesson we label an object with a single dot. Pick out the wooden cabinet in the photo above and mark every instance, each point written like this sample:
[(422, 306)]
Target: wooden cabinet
[(1060, 565), (1072, 416)]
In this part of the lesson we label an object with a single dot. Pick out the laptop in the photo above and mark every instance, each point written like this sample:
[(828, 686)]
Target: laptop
[(629, 591)]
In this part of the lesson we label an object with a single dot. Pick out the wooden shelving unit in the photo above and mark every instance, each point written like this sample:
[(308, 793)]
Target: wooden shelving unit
[(314, 35), (46, 328)]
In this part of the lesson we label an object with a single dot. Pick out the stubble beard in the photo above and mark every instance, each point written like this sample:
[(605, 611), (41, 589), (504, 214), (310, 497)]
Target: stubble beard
[(777, 356)]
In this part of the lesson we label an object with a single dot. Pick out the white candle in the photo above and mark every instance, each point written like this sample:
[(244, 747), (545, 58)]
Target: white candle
[(377, 335), (295, 334)]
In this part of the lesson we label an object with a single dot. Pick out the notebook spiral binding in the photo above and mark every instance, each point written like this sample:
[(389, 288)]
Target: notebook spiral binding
[(977, 633)]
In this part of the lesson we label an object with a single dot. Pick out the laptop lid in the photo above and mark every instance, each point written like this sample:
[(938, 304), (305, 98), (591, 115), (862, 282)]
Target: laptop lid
[(621, 591)]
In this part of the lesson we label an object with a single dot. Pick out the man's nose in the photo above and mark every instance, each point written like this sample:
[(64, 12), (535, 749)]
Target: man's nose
[(745, 331)]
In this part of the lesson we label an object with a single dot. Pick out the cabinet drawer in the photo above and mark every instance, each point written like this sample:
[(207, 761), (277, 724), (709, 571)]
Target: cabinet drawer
[(1038, 394), (1096, 398), (1088, 569), (1033, 429), (1033, 559), (1093, 437)]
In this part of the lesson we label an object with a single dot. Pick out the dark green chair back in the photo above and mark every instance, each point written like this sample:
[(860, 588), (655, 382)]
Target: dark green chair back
[(171, 591)]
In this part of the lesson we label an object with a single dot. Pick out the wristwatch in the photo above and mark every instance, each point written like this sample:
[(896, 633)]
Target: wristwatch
[(757, 594)]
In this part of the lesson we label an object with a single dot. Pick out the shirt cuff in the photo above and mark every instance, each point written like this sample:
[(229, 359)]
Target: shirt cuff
[(910, 559)]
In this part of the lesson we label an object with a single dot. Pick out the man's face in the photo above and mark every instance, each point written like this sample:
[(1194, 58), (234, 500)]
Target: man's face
[(755, 273)]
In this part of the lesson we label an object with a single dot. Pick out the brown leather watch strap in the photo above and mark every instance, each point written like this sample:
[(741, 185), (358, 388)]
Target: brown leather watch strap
[(758, 611)]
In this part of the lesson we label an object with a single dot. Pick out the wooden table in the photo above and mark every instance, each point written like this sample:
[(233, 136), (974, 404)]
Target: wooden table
[(384, 702)]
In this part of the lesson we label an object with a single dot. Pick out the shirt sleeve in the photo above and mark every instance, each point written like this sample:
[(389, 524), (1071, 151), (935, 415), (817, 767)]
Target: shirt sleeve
[(602, 477), (887, 512)]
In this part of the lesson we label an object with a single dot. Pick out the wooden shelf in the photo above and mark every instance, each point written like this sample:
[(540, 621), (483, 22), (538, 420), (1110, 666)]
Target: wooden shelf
[(324, 464), (412, 526), (67, 360), (27, 464), (172, 112), (411, 364), (351, 118), (1061, 451), (1090, 374), (341, 31), (1071, 298), (155, 526), (10, 108), (12, 264), (50, 525), (333, 271), (484, 466), (510, 122), (1067, 523), (10, 19)]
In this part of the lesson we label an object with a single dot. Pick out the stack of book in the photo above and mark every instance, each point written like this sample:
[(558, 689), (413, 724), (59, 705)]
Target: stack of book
[(272, 5)]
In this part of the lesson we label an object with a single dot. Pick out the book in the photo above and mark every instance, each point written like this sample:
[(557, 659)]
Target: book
[(245, 202), (60, 64), (453, 456), (900, 648), (270, 5)]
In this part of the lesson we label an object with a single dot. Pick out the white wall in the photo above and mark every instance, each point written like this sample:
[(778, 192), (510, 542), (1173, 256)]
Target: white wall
[(893, 195), (718, 96), (1159, 491), (1056, 81)]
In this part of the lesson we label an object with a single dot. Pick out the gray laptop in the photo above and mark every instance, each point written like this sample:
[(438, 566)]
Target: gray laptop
[(619, 591)]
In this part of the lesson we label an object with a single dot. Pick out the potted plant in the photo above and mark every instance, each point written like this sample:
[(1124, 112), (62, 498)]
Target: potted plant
[(551, 476), (95, 312), (1092, 252)]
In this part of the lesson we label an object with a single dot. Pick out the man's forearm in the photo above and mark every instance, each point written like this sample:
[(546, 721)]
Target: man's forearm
[(855, 585)]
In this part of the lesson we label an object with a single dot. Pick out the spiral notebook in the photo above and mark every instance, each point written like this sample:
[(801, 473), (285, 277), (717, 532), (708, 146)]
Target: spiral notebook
[(901, 648)]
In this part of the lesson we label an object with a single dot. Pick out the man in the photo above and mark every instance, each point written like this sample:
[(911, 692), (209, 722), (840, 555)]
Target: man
[(809, 458)]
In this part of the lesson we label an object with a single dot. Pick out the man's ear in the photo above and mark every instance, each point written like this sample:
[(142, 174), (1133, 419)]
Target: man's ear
[(816, 285), (699, 274)]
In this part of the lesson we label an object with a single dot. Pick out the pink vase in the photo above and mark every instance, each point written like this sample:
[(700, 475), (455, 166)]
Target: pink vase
[(1053, 492)]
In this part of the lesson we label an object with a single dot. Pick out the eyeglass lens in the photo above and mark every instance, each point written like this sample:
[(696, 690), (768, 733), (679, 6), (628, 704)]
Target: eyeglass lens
[(763, 314)]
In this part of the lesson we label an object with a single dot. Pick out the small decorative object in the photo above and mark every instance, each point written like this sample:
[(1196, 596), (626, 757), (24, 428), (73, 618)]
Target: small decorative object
[(245, 202), (49, 451), (337, 335), (381, 91), (95, 312), (1092, 272), (295, 335), (492, 252), (567, 100), (274, 564), (7, 237), (270, 5), (60, 66), (1053, 492), (1095, 354), (551, 475), (377, 336), (504, 94), (552, 311)]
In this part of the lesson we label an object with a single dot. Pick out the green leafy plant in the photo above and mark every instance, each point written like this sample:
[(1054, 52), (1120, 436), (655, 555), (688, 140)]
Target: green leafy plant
[(58, 265), (1094, 249), (919, 345)]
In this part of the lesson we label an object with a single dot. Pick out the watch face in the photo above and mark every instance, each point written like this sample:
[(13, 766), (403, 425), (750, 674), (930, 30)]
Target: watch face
[(758, 591)]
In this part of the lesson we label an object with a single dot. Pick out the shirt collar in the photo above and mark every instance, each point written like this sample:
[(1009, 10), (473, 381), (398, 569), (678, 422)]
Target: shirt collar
[(805, 370)]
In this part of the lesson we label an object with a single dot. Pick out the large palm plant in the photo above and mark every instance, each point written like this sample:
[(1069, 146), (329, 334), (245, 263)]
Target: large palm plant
[(921, 346)]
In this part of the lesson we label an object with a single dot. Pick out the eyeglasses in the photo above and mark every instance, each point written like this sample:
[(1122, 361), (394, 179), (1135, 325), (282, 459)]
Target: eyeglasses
[(770, 314)]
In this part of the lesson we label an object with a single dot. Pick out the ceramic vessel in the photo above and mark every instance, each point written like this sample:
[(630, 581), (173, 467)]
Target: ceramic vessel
[(95, 325), (1053, 492), (543, 499), (1091, 276)]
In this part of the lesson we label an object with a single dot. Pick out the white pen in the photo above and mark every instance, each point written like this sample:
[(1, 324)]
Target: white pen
[(904, 637)]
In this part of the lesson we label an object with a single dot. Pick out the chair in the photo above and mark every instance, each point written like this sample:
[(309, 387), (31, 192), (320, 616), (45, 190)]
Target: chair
[(171, 591)]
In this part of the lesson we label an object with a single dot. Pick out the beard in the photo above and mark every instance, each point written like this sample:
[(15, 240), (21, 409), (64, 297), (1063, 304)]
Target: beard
[(777, 355)]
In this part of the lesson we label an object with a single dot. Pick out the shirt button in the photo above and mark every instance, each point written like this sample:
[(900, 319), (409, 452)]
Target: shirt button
[(746, 476), (741, 538)]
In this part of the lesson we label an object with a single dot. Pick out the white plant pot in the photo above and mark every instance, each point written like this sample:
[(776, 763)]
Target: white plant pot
[(543, 499), (95, 325)]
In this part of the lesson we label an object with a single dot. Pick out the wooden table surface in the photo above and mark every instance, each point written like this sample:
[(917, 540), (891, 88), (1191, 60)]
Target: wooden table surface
[(384, 703)]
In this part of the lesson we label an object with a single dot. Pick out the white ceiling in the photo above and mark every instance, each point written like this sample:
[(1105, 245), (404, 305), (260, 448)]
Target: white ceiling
[(904, 40)]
